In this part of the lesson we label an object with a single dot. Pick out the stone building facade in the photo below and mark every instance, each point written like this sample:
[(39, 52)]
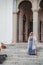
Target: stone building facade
[(27, 17), (18, 18)]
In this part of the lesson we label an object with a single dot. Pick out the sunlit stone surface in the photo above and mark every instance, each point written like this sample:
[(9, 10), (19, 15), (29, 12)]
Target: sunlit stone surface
[(17, 55)]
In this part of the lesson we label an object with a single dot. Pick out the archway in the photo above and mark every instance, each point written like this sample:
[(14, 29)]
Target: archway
[(25, 20), (41, 21)]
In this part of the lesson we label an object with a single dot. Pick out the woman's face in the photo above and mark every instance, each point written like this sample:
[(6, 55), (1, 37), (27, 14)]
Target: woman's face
[(31, 34)]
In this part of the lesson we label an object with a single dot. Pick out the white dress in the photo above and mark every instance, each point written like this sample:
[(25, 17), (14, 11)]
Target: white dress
[(32, 45)]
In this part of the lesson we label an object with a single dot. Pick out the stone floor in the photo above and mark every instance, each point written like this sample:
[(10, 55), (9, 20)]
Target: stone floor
[(17, 55)]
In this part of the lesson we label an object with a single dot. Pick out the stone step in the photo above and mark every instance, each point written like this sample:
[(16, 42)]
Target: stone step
[(17, 55), (23, 62)]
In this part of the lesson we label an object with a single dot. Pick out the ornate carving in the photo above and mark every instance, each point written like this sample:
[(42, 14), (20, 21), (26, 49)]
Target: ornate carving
[(35, 7)]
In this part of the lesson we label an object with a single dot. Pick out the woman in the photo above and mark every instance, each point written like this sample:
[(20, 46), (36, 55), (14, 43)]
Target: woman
[(31, 44)]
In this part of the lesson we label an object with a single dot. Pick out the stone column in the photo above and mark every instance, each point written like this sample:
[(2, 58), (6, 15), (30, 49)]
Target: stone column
[(35, 8), (35, 22), (26, 29), (20, 27), (15, 27)]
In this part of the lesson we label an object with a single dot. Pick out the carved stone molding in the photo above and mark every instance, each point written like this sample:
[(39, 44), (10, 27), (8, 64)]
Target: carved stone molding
[(35, 5)]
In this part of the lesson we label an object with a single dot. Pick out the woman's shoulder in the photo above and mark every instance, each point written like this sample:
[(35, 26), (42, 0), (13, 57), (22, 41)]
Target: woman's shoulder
[(35, 37)]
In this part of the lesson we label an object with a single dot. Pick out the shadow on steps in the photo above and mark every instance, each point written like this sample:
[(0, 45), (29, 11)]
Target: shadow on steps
[(2, 58)]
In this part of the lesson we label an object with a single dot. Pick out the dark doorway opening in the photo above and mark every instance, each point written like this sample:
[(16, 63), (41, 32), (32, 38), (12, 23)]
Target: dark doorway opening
[(40, 30), (24, 21), (30, 27)]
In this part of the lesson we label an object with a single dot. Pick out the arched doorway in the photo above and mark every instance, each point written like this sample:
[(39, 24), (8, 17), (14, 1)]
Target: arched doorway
[(25, 20), (41, 21)]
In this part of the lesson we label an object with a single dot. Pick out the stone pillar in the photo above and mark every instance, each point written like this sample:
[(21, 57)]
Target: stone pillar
[(35, 8), (35, 22), (20, 27), (15, 27)]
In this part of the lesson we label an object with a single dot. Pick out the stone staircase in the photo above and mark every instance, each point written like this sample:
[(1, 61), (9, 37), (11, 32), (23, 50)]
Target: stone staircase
[(17, 55)]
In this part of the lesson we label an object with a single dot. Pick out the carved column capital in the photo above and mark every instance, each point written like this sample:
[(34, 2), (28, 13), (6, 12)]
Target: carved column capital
[(35, 10), (35, 5)]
